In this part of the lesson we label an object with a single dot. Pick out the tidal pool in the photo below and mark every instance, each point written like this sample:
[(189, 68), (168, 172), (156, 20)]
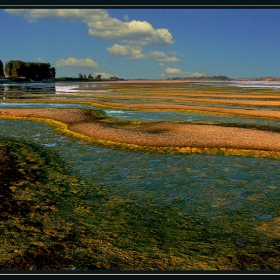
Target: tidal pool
[(206, 185)]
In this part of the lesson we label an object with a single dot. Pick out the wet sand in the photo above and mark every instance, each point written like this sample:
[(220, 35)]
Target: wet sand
[(163, 134)]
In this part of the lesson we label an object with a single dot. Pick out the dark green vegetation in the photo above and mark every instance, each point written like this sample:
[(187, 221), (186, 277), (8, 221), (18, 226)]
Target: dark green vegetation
[(2, 75), (36, 71), (51, 219)]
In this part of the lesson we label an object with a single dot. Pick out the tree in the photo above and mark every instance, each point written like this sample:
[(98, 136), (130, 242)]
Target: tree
[(90, 76), (52, 72), (33, 70), (18, 68), (9, 68), (80, 76), (1, 69), (85, 76)]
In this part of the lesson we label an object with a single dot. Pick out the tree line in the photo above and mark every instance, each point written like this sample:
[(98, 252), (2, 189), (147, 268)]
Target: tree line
[(28, 70)]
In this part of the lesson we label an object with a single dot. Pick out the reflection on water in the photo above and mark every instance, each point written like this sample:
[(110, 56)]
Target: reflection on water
[(201, 184), (19, 90)]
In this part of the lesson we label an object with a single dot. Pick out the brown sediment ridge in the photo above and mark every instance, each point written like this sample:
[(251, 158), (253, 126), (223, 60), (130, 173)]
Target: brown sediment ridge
[(160, 134)]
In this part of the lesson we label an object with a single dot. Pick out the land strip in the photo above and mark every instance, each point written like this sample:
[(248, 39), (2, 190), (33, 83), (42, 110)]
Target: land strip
[(160, 134)]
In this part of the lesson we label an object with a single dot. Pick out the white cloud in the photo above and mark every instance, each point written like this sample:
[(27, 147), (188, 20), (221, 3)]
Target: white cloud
[(162, 57), (102, 26), (74, 62), (41, 59), (161, 64), (175, 71), (135, 52), (170, 70), (132, 52)]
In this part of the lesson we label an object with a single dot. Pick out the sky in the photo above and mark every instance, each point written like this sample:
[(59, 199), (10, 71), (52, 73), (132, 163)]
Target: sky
[(145, 43)]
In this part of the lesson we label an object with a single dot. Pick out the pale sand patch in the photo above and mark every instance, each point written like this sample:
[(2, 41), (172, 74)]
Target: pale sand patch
[(161, 134)]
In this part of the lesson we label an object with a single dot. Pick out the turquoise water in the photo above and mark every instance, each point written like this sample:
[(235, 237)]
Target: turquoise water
[(203, 184)]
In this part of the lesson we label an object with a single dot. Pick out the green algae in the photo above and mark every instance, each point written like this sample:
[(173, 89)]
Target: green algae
[(72, 224)]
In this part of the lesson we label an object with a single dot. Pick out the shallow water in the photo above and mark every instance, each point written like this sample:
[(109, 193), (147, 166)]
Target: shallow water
[(203, 184), (184, 116), (148, 115), (43, 105)]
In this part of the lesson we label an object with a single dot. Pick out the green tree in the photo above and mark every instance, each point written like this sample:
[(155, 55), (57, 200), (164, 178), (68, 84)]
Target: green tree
[(80, 76), (18, 69), (1, 69), (9, 68), (33, 70)]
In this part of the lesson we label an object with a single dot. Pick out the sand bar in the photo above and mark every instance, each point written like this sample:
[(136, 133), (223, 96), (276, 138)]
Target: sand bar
[(163, 134)]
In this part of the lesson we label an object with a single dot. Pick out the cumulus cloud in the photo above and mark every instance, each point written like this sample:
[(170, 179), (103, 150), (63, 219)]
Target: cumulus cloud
[(170, 70), (162, 57), (132, 52), (161, 64), (135, 52), (175, 71), (74, 62), (102, 26)]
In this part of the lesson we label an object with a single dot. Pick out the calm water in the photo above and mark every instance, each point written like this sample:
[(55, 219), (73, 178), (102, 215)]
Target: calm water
[(201, 184)]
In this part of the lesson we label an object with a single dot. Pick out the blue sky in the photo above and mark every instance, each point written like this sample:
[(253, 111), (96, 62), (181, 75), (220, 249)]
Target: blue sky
[(145, 43)]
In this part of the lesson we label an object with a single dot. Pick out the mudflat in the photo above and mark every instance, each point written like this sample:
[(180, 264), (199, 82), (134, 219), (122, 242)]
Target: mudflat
[(160, 134)]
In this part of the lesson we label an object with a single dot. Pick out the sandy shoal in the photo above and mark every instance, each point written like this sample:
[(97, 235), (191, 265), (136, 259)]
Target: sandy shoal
[(162, 134)]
